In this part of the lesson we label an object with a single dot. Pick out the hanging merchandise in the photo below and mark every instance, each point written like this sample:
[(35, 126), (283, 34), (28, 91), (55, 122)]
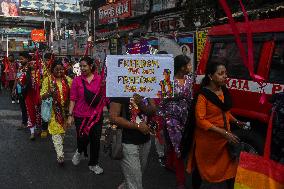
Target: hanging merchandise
[(200, 41)]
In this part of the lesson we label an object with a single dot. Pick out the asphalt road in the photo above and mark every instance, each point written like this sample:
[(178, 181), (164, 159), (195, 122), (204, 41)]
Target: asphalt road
[(26, 164)]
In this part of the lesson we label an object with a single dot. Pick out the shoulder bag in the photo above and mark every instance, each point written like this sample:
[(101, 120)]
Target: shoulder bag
[(91, 98)]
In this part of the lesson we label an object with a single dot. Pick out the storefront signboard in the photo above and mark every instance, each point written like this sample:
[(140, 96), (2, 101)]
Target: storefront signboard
[(112, 12)]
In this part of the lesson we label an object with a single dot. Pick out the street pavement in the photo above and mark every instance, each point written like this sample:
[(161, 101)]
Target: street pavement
[(26, 164)]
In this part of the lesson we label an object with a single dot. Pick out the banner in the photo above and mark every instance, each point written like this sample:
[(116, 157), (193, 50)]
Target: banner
[(148, 75), (110, 13), (177, 44), (9, 8)]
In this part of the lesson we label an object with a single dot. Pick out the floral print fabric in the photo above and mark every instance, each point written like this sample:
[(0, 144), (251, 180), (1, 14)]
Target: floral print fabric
[(175, 112)]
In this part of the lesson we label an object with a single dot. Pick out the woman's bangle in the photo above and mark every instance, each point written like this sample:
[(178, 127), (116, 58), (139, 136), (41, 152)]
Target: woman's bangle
[(69, 114)]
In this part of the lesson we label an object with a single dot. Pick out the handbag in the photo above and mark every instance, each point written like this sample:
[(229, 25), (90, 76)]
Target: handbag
[(257, 172), (116, 145), (46, 106), (233, 149), (113, 142), (114, 137), (91, 98)]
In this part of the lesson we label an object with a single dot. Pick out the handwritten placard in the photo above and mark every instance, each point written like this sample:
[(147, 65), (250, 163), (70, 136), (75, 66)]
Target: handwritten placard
[(148, 75)]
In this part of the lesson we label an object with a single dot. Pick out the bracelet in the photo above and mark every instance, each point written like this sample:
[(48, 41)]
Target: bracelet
[(226, 132), (69, 114)]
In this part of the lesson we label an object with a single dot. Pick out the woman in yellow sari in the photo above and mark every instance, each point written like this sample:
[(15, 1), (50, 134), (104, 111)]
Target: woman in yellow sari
[(57, 86)]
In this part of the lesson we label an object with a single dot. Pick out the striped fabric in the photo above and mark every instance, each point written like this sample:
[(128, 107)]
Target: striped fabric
[(256, 172)]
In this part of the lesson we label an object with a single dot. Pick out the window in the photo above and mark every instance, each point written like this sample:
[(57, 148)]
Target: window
[(140, 7), (160, 5), (231, 53), (276, 74)]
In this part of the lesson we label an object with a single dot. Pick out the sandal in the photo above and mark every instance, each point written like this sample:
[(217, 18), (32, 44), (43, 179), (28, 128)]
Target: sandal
[(60, 161)]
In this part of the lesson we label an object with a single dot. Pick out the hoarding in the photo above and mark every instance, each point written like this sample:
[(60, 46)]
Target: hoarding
[(38, 35), (112, 12), (60, 5), (9, 8)]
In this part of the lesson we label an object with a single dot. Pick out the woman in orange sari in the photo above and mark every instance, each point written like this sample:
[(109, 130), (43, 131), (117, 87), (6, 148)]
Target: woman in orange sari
[(209, 156)]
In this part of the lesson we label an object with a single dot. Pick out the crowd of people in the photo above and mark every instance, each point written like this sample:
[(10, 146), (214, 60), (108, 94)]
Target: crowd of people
[(42, 83)]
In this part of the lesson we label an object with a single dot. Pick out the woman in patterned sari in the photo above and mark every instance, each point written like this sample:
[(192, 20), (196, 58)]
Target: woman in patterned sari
[(175, 113)]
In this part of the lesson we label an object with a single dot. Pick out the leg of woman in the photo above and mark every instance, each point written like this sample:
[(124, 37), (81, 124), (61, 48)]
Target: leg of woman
[(44, 126), (170, 159), (131, 167), (180, 175), (23, 109), (196, 179), (11, 84), (58, 145), (82, 141), (29, 100), (160, 149), (95, 139), (230, 183), (144, 150)]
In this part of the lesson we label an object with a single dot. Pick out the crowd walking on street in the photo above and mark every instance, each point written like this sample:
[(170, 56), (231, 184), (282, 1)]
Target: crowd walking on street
[(192, 131)]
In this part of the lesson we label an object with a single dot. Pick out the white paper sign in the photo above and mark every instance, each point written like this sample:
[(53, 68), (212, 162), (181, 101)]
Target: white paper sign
[(148, 75)]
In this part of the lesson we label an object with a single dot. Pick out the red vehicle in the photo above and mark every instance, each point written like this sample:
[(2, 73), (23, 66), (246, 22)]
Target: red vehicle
[(268, 40)]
